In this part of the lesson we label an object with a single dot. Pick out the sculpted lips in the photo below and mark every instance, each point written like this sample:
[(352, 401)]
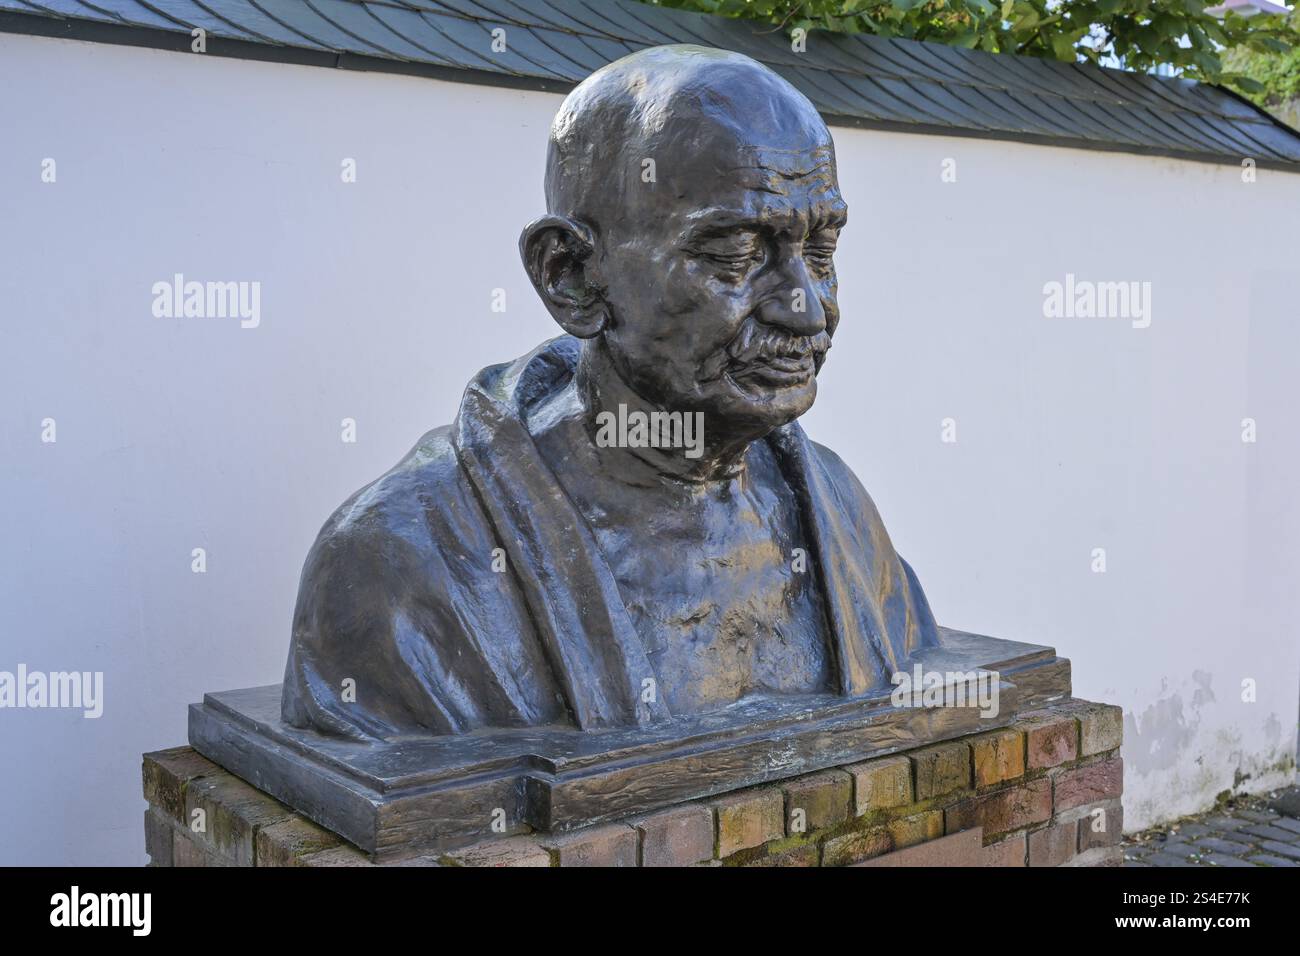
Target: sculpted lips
[(783, 370), (770, 357)]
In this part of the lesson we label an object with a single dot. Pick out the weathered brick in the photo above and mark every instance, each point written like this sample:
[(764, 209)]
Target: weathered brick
[(1009, 852), (158, 832), (336, 856), (1099, 856), (188, 853), (1052, 846), (1003, 810), (941, 769), (1090, 783), (418, 860), (677, 837), (895, 835), (1075, 814), (855, 847), (817, 801), (1050, 740), (998, 756), (231, 814), (749, 818), (287, 842), (508, 851), (881, 784), (908, 831), (1101, 727), (1102, 829), (612, 845), (164, 774), (957, 849), (795, 856)]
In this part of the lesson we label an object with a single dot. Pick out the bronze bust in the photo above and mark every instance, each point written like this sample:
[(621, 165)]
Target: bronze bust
[(574, 550)]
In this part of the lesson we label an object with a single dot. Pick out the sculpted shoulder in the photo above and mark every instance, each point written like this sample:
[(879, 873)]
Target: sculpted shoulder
[(399, 596), (397, 504), (853, 496), (409, 536)]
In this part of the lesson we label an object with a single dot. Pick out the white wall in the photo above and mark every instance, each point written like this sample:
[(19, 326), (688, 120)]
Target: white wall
[(182, 433)]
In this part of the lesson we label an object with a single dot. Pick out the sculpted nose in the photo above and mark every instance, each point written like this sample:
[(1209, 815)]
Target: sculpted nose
[(795, 306)]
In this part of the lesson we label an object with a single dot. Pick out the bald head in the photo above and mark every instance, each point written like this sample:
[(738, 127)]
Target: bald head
[(690, 110), (692, 215)]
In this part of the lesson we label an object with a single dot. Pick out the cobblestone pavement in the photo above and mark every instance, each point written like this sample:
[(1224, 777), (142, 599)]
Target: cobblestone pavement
[(1245, 831)]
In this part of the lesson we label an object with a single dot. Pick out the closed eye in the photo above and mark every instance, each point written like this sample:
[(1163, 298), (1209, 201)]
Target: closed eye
[(821, 256), (734, 252), (736, 258)]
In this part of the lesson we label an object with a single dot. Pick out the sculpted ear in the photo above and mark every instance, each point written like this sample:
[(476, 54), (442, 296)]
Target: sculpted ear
[(557, 255)]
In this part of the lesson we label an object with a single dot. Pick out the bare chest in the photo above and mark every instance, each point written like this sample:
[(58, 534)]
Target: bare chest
[(720, 600)]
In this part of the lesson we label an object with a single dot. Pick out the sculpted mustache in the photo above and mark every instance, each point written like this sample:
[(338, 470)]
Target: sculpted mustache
[(758, 343)]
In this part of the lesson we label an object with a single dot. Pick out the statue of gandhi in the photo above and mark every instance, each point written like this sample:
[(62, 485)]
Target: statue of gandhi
[(627, 525)]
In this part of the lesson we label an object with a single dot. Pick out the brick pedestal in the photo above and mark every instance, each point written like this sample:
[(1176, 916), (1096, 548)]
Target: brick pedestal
[(1043, 792)]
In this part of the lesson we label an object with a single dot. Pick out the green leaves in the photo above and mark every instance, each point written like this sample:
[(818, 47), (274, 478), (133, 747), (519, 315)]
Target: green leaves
[(1267, 75), (1244, 82), (1140, 34), (1024, 16), (1266, 44), (1063, 47)]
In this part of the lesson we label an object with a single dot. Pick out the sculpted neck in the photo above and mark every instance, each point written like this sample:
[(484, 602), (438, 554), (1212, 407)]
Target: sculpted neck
[(713, 453)]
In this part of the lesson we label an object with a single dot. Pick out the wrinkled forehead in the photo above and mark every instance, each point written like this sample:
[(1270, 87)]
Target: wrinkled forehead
[(752, 182), (780, 172)]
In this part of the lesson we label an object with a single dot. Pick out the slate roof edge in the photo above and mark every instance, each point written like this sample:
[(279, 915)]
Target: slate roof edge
[(35, 24), (1064, 142), (130, 35)]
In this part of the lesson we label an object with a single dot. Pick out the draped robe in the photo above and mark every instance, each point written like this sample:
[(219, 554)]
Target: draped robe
[(462, 590)]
